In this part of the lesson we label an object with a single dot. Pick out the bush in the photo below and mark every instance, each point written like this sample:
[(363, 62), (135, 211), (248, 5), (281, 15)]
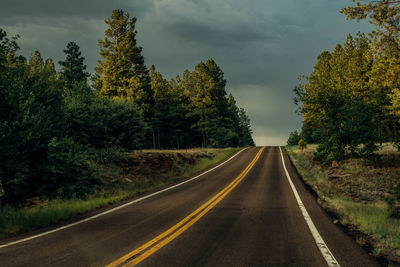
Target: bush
[(293, 139), (67, 172), (302, 144), (31, 114), (347, 125), (223, 137), (101, 122)]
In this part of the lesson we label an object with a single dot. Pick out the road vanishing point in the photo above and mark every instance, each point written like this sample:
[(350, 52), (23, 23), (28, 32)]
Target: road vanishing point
[(251, 210)]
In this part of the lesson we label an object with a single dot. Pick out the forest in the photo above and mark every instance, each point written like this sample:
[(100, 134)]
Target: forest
[(55, 123), (350, 103)]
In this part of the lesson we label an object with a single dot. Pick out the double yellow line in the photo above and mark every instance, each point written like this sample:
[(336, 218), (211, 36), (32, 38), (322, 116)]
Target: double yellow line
[(144, 251)]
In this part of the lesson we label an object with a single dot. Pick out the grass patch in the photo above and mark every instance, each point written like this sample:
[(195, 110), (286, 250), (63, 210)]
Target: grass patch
[(120, 182), (356, 191), (205, 163), (372, 219)]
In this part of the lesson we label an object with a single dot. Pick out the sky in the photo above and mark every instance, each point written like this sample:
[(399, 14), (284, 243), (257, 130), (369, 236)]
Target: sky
[(262, 46)]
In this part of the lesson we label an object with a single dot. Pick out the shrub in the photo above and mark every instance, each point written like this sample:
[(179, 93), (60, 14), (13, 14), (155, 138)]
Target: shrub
[(31, 114), (294, 138), (101, 122), (67, 172), (302, 144), (223, 137)]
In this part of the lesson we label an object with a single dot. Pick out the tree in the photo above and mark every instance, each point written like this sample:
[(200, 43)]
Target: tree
[(122, 74), (293, 139), (33, 117), (162, 108), (385, 52), (240, 123), (245, 126), (384, 14), (338, 104), (73, 70), (181, 120), (209, 105), (103, 122)]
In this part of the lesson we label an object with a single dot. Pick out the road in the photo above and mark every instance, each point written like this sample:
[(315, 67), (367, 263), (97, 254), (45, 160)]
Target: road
[(243, 213)]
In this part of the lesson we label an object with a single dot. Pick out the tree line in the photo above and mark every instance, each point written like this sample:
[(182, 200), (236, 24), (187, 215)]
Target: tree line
[(350, 103), (55, 124)]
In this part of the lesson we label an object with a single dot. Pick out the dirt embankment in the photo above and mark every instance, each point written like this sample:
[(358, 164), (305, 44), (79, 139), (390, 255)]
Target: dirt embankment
[(161, 162), (142, 164)]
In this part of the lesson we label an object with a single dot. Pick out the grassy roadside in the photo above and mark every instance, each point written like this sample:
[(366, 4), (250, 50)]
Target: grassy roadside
[(123, 177), (356, 191)]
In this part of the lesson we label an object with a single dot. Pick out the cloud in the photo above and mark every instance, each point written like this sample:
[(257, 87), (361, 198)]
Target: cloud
[(13, 11)]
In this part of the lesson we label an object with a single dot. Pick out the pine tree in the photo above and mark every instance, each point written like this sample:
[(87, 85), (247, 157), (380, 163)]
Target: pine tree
[(36, 63), (246, 132), (209, 105), (181, 121), (73, 68), (162, 108), (240, 123), (338, 104), (121, 72), (384, 14)]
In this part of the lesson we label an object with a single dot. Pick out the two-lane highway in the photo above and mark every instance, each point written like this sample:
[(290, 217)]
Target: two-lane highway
[(243, 213)]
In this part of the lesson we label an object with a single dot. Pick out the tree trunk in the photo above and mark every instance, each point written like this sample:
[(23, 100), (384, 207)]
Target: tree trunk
[(154, 139), (158, 137)]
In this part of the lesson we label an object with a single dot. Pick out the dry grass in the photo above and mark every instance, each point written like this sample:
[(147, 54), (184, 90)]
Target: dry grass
[(356, 190)]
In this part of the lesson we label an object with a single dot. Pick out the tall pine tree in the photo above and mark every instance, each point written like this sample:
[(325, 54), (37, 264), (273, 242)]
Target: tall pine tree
[(121, 72), (73, 71)]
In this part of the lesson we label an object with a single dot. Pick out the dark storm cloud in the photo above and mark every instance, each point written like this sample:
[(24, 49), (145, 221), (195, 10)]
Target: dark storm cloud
[(215, 35), (13, 10), (261, 45)]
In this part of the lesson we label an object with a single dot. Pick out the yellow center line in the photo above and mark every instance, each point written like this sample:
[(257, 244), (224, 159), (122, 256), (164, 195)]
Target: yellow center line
[(186, 222)]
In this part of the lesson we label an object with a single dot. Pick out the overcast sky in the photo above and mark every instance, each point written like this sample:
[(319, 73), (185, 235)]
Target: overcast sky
[(261, 45)]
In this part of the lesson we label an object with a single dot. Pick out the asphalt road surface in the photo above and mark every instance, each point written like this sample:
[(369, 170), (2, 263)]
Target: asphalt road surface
[(243, 213)]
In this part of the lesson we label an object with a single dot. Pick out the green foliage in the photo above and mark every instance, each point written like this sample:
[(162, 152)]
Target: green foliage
[(169, 112), (384, 14), (73, 68), (340, 108), (302, 144), (293, 139), (121, 72), (215, 120), (384, 54), (101, 122), (33, 116), (350, 101), (67, 172)]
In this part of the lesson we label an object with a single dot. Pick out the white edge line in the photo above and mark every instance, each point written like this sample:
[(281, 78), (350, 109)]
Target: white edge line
[(326, 253), (119, 207)]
